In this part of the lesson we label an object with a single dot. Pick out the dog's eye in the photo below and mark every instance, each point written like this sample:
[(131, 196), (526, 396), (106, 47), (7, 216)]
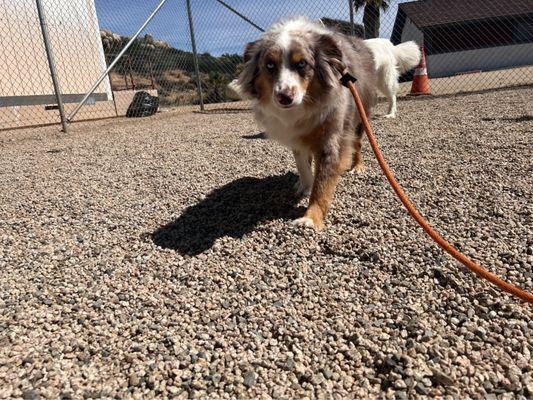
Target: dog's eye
[(302, 64), (270, 66)]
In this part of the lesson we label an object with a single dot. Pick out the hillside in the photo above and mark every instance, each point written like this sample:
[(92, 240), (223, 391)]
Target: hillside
[(170, 69)]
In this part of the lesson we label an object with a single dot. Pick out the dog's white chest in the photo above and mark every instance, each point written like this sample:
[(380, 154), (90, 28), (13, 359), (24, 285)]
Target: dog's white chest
[(287, 135), (286, 127)]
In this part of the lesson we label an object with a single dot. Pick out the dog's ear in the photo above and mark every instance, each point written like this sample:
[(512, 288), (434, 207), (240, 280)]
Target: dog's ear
[(329, 58), (247, 77), (249, 50), (331, 50)]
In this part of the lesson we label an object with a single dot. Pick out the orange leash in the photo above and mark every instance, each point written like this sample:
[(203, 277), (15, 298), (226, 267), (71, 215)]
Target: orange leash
[(482, 272)]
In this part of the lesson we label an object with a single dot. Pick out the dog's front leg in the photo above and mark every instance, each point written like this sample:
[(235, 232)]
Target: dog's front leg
[(329, 164), (303, 160), (357, 160)]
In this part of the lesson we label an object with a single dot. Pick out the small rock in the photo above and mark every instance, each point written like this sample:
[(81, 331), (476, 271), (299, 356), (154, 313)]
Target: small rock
[(277, 392), (97, 304), (215, 378), (27, 360), (173, 389), (317, 379), (488, 386), (134, 379), (249, 378), (420, 388), (400, 395), (441, 378), (128, 358), (426, 382), (529, 387), (300, 368), (289, 364), (31, 395), (480, 332), (400, 384), (428, 334)]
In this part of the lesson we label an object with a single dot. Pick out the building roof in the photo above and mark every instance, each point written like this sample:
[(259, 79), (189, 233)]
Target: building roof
[(427, 13)]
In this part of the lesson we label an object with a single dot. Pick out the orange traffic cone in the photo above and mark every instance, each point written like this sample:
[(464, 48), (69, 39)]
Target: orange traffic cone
[(420, 79)]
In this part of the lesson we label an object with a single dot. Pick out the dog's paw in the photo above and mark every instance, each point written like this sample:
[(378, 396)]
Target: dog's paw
[(358, 169), (389, 116), (301, 189), (308, 223), (304, 221)]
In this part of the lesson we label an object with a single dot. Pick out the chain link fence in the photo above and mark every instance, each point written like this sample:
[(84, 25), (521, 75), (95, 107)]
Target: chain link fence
[(191, 49)]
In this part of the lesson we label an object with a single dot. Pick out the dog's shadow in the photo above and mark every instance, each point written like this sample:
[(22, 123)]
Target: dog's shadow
[(231, 210)]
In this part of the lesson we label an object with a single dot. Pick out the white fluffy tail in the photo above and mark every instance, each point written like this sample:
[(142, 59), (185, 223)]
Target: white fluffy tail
[(407, 56)]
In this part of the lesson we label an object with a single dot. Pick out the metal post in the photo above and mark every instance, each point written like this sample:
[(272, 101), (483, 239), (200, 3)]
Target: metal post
[(244, 17), (104, 74), (352, 26), (51, 64), (195, 57), (150, 63)]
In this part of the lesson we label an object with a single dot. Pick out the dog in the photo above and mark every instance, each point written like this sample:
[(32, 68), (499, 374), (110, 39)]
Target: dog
[(391, 62), (291, 74)]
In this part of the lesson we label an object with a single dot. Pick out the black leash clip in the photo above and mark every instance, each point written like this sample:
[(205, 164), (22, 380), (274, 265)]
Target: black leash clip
[(347, 77)]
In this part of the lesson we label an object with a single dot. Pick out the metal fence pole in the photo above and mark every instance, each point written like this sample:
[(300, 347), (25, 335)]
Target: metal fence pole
[(51, 64), (117, 58), (195, 57), (244, 17), (352, 26)]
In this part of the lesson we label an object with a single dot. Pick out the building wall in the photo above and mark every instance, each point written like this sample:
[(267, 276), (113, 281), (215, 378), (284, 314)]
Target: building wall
[(447, 64), (487, 59), (411, 32), (77, 48)]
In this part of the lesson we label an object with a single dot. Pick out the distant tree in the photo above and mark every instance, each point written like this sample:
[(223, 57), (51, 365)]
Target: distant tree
[(214, 87), (371, 16)]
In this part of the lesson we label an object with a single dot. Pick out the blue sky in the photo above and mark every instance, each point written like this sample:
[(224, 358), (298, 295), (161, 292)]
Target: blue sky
[(218, 30)]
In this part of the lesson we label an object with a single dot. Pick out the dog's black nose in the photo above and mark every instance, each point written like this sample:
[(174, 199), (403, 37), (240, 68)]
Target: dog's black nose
[(284, 98)]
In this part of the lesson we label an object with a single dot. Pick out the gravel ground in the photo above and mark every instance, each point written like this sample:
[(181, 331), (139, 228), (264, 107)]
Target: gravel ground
[(155, 258)]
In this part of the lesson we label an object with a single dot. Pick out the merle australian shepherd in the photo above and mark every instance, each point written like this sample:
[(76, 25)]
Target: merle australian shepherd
[(291, 73)]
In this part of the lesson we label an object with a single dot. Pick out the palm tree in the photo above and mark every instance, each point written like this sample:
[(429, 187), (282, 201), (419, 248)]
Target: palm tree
[(371, 15)]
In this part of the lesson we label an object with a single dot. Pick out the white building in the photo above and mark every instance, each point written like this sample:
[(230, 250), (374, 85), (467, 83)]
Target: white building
[(464, 36), (26, 90)]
